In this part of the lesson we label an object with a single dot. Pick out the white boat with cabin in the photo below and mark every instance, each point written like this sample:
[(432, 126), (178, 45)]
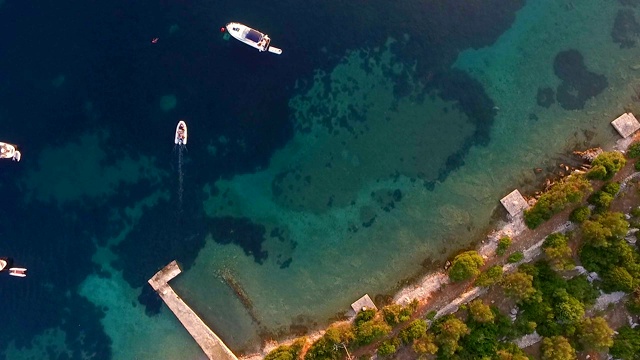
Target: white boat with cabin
[(252, 37), (8, 151), (181, 133)]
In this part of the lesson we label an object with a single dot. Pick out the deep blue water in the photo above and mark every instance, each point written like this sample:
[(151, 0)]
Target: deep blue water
[(223, 88)]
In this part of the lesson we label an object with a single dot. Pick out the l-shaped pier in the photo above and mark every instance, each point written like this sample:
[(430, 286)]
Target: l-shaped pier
[(210, 343)]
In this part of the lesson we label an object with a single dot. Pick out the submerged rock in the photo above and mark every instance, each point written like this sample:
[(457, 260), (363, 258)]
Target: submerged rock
[(578, 83), (625, 29)]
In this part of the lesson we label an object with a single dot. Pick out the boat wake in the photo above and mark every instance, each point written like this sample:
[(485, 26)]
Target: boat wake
[(180, 139), (181, 148)]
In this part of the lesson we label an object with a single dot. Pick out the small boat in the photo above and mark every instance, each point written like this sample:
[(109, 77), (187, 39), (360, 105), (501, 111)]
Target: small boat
[(181, 133), (8, 151), (19, 272), (3, 264), (251, 37)]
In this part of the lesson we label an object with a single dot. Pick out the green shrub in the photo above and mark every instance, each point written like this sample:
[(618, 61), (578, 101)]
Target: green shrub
[(580, 214), (611, 188), (388, 347), (395, 313), (466, 265), (633, 151), (601, 200), (489, 277), (503, 245), (364, 315), (610, 161), (637, 166), (570, 190), (431, 315), (515, 257), (635, 212)]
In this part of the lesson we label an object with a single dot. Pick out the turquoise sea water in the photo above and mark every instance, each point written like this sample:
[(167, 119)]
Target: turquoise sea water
[(376, 146)]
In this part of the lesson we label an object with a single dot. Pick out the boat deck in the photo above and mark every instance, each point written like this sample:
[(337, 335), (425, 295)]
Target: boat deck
[(210, 343)]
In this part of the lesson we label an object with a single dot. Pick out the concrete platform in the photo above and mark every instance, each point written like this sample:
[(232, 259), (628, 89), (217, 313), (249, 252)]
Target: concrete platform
[(514, 203), (626, 124), (362, 303), (210, 343)]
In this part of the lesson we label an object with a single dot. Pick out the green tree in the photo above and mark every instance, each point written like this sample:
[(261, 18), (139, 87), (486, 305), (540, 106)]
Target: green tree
[(611, 188), (518, 286), (368, 331), (557, 348), (580, 214), (489, 277), (618, 279), (416, 330), (449, 333), (287, 352), (511, 351), (425, 345), (567, 308), (324, 348), (480, 311), (503, 245), (611, 161), (557, 249), (626, 345), (603, 228), (466, 265), (596, 334), (601, 200)]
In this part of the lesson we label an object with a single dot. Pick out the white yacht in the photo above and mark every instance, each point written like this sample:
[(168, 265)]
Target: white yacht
[(251, 37), (181, 133), (8, 151)]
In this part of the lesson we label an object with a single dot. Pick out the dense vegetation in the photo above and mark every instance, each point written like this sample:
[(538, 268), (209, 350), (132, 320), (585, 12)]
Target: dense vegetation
[(568, 191)]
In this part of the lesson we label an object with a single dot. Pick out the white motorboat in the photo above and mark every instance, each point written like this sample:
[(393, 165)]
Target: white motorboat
[(8, 151), (251, 37), (19, 272), (181, 133)]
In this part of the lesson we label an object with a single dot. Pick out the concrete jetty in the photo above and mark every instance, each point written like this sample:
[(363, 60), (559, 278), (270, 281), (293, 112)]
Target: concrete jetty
[(210, 343)]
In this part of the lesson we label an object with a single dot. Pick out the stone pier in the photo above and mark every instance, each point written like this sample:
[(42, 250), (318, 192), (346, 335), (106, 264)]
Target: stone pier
[(210, 343)]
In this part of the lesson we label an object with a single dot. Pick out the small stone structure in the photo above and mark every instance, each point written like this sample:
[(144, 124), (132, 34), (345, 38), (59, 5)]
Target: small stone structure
[(626, 124), (514, 203), (363, 302), (210, 343)]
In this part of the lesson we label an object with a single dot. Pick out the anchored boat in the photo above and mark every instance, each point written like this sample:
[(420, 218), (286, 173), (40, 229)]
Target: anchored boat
[(13, 271), (252, 37), (181, 133), (8, 151)]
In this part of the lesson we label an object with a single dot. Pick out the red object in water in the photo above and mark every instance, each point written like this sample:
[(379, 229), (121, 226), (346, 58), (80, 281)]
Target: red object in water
[(155, 40), (222, 29)]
